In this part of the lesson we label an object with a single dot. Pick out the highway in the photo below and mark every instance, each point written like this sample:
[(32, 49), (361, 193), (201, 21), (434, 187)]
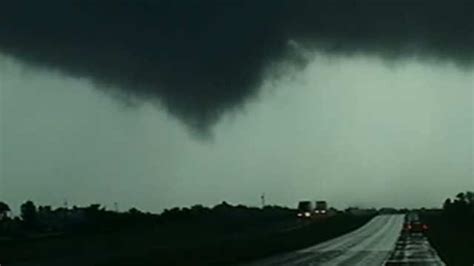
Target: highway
[(413, 249), (372, 244)]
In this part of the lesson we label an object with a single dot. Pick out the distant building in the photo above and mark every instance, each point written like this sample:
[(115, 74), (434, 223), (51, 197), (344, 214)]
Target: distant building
[(360, 212)]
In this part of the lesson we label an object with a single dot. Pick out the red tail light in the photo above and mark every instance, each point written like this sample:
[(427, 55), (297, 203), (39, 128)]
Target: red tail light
[(425, 227)]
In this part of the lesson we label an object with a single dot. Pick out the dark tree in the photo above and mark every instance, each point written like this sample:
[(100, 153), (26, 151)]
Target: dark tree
[(447, 204), (134, 212), (28, 213), (461, 197), (4, 209), (470, 197)]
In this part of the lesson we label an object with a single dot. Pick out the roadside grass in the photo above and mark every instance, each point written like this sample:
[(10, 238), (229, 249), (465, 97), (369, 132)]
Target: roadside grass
[(243, 248), (177, 244), (453, 238)]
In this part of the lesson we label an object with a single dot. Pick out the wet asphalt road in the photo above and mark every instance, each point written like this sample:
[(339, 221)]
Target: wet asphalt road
[(379, 242), (414, 250)]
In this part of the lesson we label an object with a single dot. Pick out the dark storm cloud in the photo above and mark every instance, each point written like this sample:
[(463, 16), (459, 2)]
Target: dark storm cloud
[(202, 57)]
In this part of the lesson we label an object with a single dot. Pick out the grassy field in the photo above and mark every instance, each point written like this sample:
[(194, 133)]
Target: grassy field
[(452, 238), (183, 244), (244, 247)]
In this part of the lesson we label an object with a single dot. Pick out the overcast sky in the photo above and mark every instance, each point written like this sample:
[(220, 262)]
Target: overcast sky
[(342, 110), (353, 130)]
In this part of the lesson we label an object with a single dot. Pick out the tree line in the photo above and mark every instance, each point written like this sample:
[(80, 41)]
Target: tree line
[(35, 219), (460, 208)]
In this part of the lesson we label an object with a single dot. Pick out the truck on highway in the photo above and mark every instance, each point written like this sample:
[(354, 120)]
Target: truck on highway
[(312, 209), (305, 209), (321, 208)]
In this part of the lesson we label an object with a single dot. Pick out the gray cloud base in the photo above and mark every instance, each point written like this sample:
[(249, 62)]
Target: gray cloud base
[(202, 58)]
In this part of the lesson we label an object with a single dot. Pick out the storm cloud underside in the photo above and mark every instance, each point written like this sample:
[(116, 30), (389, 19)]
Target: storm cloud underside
[(199, 59)]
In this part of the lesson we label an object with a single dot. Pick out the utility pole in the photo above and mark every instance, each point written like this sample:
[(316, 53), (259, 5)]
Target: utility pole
[(116, 206), (263, 200)]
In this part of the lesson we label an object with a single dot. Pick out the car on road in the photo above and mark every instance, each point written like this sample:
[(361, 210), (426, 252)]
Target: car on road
[(415, 227)]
